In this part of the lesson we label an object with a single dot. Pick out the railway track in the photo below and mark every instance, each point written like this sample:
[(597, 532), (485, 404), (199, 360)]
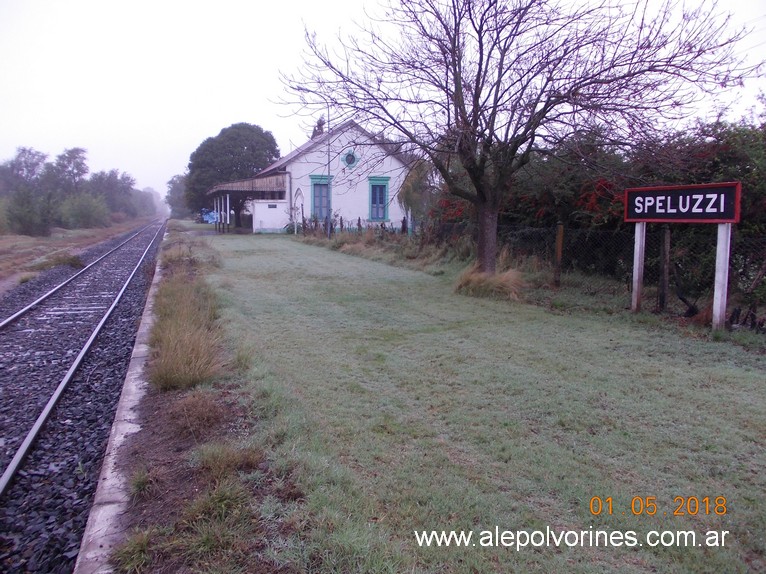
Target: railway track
[(63, 354)]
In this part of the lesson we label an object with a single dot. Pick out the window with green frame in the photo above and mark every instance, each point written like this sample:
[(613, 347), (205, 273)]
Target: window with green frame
[(379, 198), (320, 195)]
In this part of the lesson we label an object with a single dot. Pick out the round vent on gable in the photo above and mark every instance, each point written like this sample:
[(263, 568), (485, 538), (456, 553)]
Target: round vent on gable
[(349, 157)]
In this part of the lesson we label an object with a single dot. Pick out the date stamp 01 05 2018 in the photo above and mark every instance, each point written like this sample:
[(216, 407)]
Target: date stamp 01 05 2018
[(648, 506)]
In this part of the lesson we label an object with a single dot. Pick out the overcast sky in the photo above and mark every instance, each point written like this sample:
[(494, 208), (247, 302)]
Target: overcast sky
[(141, 83)]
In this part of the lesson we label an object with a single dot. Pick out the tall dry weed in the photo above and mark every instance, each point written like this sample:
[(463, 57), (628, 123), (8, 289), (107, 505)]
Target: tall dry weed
[(186, 339), (505, 284)]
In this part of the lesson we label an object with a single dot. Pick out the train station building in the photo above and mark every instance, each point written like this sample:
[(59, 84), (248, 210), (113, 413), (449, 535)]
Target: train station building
[(343, 173)]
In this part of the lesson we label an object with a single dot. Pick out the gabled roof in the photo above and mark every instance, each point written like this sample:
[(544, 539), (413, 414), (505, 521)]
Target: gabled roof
[(390, 148)]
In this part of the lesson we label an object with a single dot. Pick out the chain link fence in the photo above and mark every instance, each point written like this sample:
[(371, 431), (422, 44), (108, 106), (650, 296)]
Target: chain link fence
[(593, 268)]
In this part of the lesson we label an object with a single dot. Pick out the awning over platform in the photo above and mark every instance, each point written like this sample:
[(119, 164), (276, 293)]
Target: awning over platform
[(272, 186)]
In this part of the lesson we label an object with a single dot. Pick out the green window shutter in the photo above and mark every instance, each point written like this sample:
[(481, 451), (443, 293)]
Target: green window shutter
[(321, 196), (379, 198)]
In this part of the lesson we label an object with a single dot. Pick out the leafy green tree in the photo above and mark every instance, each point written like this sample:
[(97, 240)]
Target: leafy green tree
[(30, 212), (143, 202), (4, 227), (176, 197), (41, 194), (24, 170), (579, 181), (158, 206), (737, 152), (84, 211), (237, 152), (30, 209), (67, 174), (117, 190)]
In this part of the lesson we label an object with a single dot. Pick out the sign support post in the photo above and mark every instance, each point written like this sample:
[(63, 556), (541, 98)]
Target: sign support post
[(639, 247), (721, 275)]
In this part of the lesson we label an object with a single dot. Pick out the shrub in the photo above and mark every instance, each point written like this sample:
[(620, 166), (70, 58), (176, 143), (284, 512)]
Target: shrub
[(118, 217), (61, 258), (29, 213), (84, 211), (182, 255), (4, 228)]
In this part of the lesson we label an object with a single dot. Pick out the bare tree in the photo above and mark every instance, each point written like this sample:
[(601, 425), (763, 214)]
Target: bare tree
[(475, 86)]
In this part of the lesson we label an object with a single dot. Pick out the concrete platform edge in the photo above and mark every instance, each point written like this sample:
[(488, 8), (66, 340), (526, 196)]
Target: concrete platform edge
[(103, 531)]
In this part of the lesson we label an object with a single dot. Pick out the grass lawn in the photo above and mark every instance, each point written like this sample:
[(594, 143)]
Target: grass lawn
[(397, 406)]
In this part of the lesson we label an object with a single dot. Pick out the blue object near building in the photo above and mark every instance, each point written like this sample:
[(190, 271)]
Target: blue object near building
[(206, 216)]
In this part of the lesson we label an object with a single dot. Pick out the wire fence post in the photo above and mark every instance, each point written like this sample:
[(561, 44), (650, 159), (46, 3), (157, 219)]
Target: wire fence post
[(664, 287), (559, 254)]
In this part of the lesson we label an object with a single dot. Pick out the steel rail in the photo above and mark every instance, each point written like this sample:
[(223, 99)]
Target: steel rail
[(23, 450), (42, 298)]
